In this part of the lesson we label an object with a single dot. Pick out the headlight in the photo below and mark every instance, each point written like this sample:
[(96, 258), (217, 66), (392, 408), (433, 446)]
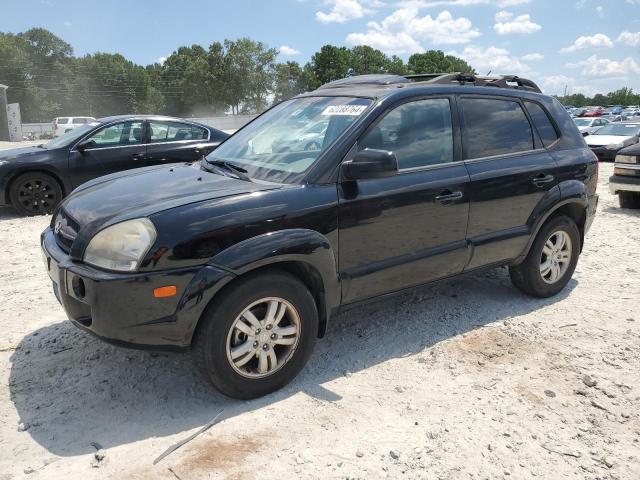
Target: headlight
[(121, 246), (627, 159), (614, 146)]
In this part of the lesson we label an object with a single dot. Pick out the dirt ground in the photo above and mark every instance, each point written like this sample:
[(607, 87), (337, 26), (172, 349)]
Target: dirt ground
[(466, 380)]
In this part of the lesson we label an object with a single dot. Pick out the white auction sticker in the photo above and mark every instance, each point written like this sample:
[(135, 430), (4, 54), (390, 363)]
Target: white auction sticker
[(353, 110)]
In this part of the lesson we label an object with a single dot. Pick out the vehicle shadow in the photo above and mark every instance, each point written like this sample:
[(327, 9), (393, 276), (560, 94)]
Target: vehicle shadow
[(74, 389), (622, 211)]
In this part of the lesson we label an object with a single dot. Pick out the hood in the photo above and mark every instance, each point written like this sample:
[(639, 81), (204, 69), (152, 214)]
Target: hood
[(145, 191), (603, 140), (24, 153)]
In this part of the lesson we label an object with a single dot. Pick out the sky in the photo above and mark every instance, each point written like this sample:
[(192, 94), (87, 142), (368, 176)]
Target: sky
[(585, 46)]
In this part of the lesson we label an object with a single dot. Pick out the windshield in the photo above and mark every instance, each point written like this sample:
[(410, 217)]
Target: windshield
[(582, 122), (71, 136), (620, 129), (281, 145)]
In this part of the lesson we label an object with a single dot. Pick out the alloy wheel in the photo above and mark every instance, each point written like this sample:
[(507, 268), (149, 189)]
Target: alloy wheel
[(556, 257), (263, 337)]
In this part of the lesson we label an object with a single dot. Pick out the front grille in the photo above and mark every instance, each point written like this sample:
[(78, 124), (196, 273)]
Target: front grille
[(65, 230)]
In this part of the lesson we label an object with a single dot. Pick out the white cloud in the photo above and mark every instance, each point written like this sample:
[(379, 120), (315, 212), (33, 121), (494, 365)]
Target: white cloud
[(533, 57), (286, 50), (440, 3), (345, 10), (556, 84), (521, 24), (403, 31), (503, 16), (599, 40), (161, 60), (511, 3), (629, 38), (604, 67), (68, 24), (496, 59), (600, 10)]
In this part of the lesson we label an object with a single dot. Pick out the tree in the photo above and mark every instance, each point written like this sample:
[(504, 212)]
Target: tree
[(289, 80), (330, 63), (435, 61), (364, 60)]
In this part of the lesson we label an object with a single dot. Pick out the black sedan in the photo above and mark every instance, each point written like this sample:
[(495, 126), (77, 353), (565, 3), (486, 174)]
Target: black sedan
[(35, 179)]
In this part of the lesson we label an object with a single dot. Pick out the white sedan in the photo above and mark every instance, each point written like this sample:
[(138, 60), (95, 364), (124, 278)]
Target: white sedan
[(606, 141), (587, 126)]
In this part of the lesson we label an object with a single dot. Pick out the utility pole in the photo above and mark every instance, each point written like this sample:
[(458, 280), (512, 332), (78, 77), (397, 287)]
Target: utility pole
[(4, 121)]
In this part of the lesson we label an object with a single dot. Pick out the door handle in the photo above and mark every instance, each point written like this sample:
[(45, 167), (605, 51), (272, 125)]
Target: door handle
[(448, 196), (137, 156), (542, 180)]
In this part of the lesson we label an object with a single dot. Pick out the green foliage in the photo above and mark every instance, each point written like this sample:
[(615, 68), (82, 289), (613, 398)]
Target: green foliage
[(623, 96), (435, 61)]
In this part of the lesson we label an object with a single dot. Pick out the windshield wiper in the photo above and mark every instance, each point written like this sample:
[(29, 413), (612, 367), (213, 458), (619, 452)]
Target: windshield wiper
[(239, 172)]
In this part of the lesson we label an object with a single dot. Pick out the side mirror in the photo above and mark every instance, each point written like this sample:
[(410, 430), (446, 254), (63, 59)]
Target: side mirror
[(82, 146), (370, 163)]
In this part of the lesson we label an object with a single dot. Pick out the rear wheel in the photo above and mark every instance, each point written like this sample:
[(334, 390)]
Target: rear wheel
[(258, 336), (35, 193), (551, 261), (629, 199)]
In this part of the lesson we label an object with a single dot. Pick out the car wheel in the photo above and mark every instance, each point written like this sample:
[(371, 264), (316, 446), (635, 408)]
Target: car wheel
[(551, 260), (629, 199), (35, 193), (258, 336)]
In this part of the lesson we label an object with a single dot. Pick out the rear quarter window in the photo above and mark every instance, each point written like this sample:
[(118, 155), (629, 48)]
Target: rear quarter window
[(494, 127), (542, 122)]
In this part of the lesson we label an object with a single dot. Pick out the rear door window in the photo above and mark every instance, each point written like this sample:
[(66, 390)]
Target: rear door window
[(175, 131), (494, 127), (543, 124), (63, 120)]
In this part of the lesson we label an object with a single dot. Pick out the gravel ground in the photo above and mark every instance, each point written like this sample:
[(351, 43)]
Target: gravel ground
[(468, 380)]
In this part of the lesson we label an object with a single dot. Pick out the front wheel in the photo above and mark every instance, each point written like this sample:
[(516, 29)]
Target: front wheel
[(258, 336), (35, 193), (551, 261)]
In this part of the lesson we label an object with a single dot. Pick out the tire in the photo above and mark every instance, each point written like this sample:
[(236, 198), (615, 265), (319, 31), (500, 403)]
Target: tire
[(216, 335), (629, 199), (528, 277), (35, 193)]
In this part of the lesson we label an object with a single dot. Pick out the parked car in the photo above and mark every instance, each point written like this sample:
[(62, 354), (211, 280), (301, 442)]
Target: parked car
[(244, 257), (62, 125), (595, 112), (612, 111), (35, 179), (578, 112), (608, 140), (625, 181), (587, 126), (307, 138)]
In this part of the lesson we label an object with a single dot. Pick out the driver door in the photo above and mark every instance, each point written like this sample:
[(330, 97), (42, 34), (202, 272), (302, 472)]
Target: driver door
[(116, 147)]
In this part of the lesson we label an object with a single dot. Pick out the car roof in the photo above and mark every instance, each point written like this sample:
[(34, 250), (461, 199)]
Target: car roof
[(379, 87), (163, 118)]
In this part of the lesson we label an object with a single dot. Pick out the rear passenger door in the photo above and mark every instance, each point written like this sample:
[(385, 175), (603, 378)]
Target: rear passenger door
[(407, 229), (171, 142), (510, 172)]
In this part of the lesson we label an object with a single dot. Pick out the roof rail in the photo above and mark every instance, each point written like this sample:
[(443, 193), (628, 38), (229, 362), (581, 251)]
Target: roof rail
[(372, 79), (504, 81)]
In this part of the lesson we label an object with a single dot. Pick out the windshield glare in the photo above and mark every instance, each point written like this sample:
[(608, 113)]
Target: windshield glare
[(620, 129), (71, 136), (281, 145)]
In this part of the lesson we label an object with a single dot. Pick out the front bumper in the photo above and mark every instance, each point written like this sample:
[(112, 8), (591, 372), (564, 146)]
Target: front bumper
[(620, 183), (604, 154), (120, 307)]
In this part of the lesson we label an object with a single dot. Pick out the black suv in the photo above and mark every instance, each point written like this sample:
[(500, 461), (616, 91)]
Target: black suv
[(245, 256)]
